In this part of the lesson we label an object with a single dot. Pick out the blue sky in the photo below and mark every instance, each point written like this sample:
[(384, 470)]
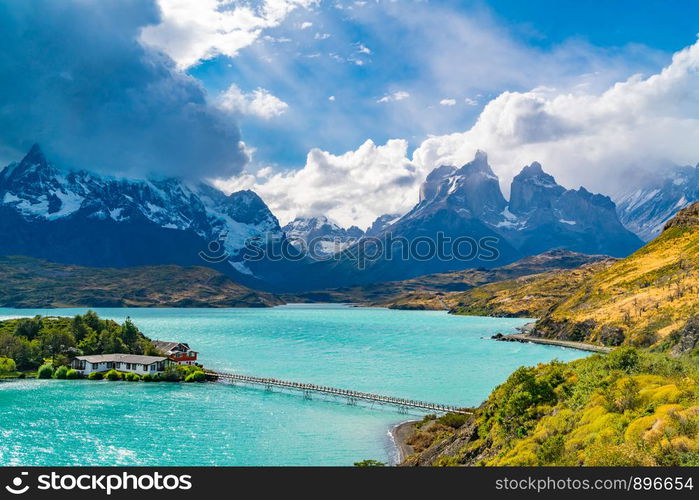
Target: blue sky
[(305, 68), (342, 107)]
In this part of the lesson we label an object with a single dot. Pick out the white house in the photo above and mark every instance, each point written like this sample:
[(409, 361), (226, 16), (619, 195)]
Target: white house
[(123, 362), (178, 353)]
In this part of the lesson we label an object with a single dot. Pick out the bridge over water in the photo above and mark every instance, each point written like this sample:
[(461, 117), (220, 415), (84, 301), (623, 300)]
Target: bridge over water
[(352, 397)]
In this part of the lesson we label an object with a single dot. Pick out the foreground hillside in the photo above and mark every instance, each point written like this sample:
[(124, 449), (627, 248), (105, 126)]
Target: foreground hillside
[(32, 283), (628, 408)]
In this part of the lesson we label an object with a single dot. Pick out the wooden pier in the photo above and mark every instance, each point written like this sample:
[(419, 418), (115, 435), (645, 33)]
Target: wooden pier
[(352, 397)]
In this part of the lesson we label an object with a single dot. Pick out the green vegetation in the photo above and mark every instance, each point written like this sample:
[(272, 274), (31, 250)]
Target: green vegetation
[(630, 407), (72, 374), (30, 341), (95, 376), (179, 373), (8, 368), (113, 375), (29, 283), (45, 371), (61, 372), (369, 463)]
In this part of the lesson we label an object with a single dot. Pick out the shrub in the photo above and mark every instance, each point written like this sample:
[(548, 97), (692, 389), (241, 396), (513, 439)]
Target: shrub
[(60, 372), (147, 377), (132, 377), (72, 374), (95, 376), (113, 375), (369, 463), (45, 371), (197, 376), (7, 365), (453, 420)]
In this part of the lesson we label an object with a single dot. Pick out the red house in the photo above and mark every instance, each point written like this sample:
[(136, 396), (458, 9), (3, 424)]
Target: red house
[(177, 352)]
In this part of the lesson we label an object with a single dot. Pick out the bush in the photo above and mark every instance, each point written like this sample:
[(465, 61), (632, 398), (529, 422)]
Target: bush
[(197, 376), (61, 372), (113, 375), (45, 371), (132, 377), (7, 365), (95, 376), (369, 463), (147, 377), (72, 374)]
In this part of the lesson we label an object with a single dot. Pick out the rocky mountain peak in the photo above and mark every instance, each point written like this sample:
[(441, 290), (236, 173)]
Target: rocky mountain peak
[(533, 188)]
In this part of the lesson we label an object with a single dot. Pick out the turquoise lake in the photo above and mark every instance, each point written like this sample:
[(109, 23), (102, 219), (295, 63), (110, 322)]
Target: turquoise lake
[(426, 355)]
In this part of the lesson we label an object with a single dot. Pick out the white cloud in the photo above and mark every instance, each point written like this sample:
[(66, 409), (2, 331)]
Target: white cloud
[(585, 138), (192, 31), (399, 95), (470, 102), (305, 25), (260, 102), (363, 49), (581, 138), (322, 36), (448, 102), (331, 98), (352, 188)]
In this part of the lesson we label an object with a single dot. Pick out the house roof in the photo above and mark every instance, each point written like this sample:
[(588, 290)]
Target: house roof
[(166, 346), (123, 358)]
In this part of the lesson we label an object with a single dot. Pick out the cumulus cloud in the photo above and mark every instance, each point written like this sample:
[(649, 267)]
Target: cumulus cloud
[(590, 139), (305, 25), (448, 102), (192, 31), (74, 78), (398, 95), (352, 188), (260, 102), (585, 138)]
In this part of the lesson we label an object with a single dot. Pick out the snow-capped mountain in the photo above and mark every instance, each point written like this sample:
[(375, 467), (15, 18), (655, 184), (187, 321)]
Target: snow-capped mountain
[(541, 215), (467, 202), (82, 218), (645, 209), (320, 235), (381, 223)]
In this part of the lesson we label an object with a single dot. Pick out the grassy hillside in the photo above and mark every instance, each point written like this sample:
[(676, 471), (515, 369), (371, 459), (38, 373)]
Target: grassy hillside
[(529, 296), (437, 291), (639, 300), (627, 408), (29, 282)]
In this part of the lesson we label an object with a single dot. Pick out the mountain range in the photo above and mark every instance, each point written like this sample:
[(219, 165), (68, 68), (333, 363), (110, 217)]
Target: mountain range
[(82, 218), (651, 201)]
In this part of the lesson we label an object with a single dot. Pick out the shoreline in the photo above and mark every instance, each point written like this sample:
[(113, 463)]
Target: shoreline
[(399, 434), (581, 346)]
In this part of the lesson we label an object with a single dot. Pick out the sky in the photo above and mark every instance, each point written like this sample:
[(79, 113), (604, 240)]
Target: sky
[(341, 108)]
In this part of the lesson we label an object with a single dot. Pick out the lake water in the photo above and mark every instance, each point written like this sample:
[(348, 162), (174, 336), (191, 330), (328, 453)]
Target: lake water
[(424, 355)]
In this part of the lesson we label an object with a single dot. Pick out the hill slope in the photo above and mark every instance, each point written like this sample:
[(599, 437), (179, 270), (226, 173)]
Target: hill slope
[(29, 282), (627, 408), (437, 291), (640, 299)]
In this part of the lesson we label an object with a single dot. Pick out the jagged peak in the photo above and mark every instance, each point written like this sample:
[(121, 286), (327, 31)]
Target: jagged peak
[(687, 217), (35, 157), (478, 164)]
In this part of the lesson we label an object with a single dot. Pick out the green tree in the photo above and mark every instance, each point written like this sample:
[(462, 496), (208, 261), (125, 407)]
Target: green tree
[(28, 327), (53, 342)]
